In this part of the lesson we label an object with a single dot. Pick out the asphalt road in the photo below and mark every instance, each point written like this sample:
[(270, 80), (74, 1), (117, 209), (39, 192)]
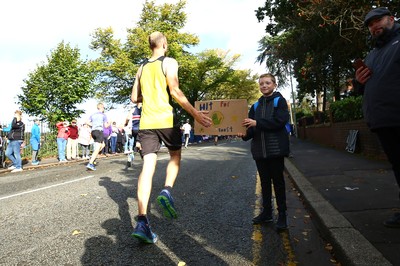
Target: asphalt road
[(65, 215)]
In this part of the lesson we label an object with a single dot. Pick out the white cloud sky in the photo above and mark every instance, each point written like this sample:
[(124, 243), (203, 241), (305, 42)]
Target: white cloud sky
[(31, 29)]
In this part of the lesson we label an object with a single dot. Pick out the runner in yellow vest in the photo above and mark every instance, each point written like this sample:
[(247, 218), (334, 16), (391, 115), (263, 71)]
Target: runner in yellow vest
[(155, 85)]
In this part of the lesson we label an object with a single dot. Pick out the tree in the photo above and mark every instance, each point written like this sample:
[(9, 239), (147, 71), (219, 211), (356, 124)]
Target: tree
[(213, 77), (201, 75), (55, 88), (118, 63), (318, 39)]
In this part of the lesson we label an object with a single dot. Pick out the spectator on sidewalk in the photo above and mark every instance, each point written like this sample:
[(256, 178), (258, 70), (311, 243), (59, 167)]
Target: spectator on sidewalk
[(72, 142), (379, 82), (35, 141), (16, 138), (62, 137), (84, 140), (156, 83), (120, 140), (269, 146), (107, 136), (114, 137)]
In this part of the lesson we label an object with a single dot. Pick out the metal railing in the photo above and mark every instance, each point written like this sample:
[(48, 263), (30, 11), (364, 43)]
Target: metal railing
[(48, 143)]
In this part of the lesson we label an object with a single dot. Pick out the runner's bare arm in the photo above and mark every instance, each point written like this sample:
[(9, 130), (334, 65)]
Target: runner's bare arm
[(136, 95), (171, 72)]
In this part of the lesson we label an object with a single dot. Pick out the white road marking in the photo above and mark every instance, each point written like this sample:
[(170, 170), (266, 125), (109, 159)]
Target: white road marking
[(43, 188)]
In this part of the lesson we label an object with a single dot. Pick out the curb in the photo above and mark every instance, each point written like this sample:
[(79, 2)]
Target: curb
[(49, 162), (351, 247)]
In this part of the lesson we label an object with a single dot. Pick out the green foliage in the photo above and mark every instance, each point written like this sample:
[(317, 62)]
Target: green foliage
[(54, 89), (318, 39), (48, 146), (347, 109), (119, 62), (206, 75)]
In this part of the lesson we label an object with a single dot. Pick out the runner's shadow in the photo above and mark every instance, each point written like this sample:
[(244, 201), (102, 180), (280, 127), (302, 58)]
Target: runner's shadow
[(119, 194), (98, 251), (118, 247)]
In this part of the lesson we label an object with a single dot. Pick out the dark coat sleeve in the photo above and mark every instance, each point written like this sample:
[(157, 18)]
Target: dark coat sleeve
[(358, 87)]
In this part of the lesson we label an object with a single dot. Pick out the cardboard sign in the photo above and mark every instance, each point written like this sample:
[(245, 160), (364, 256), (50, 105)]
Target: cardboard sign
[(227, 117)]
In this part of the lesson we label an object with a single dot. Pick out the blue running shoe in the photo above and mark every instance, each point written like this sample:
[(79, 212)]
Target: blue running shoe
[(91, 167), (144, 233), (166, 202)]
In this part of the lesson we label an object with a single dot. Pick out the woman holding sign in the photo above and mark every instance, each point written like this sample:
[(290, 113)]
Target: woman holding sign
[(269, 145)]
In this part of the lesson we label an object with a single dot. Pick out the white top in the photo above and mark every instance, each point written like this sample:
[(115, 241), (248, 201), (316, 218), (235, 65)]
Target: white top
[(186, 128)]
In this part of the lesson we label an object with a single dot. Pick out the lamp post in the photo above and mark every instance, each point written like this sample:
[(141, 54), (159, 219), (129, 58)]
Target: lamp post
[(293, 104)]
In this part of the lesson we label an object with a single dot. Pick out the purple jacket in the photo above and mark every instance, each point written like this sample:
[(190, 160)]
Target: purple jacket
[(107, 131)]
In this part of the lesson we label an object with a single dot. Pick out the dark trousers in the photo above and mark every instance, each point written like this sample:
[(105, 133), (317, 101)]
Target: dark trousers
[(272, 170), (106, 148), (390, 141)]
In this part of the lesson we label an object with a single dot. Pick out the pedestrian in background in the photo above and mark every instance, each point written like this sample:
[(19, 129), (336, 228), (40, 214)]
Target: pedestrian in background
[(155, 83), (186, 132), (16, 138), (35, 141), (378, 81), (98, 121), (62, 137), (128, 139), (269, 146), (134, 117), (72, 142)]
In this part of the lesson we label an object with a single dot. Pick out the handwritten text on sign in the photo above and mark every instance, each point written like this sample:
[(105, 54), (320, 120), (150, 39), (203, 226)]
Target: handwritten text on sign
[(226, 116)]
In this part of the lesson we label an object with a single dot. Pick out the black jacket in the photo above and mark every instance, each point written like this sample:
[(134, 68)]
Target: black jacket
[(17, 130), (381, 100), (269, 138)]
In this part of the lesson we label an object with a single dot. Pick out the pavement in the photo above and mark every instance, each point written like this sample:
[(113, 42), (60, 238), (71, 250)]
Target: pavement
[(349, 197)]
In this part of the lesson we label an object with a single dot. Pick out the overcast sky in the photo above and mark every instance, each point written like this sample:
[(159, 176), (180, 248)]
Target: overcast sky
[(32, 29)]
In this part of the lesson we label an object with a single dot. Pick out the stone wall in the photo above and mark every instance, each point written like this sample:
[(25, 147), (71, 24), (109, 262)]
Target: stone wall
[(335, 135)]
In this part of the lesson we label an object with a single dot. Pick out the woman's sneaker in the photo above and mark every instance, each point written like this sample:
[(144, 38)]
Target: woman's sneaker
[(166, 202), (143, 233)]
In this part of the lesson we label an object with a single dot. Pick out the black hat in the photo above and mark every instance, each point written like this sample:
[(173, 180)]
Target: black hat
[(376, 13)]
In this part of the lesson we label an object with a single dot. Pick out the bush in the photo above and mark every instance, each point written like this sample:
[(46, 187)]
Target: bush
[(321, 117), (347, 109)]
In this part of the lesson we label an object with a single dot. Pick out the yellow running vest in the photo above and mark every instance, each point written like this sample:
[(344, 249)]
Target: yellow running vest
[(157, 112)]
